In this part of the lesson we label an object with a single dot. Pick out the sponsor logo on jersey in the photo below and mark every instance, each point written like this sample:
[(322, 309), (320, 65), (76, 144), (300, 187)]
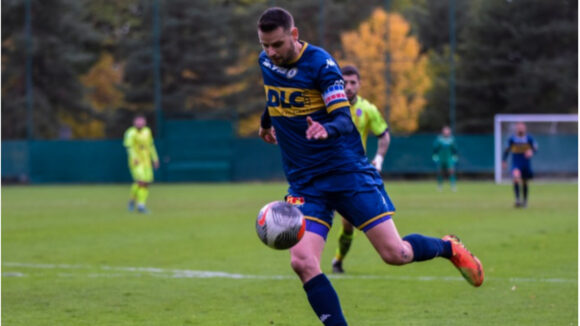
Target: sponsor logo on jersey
[(290, 102), (291, 73), (330, 63)]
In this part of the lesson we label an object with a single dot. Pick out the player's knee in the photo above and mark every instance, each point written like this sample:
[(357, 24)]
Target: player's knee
[(303, 265), (396, 255)]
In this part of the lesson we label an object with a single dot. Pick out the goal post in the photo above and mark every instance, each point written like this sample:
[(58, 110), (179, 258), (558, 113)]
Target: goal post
[(556, 134)]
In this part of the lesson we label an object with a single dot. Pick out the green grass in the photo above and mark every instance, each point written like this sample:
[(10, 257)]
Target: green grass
[(87, 240)]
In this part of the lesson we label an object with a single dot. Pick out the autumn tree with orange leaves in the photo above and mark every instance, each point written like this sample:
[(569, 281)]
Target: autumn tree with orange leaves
[(367, 48)]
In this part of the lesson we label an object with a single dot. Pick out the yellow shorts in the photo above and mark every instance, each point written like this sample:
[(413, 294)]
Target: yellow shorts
[(142, 172)]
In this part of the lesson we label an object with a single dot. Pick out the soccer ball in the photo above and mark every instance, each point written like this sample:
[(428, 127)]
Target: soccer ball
[(280, 225)]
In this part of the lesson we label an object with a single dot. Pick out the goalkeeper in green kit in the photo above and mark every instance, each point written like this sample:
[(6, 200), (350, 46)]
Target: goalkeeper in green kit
[(445, 157)]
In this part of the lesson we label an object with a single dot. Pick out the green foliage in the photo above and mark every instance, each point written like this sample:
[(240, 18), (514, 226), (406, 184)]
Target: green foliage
[(518, 57), (531, 261), (63, 46)]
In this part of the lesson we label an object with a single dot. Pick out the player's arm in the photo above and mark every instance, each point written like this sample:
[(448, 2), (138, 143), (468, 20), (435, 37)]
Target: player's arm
[(340, 124), (331, 85), (454, 151), (506, 154), (533, 147), (436, 148), (380, 128), (129, 143), (153, 151), (267, 132)]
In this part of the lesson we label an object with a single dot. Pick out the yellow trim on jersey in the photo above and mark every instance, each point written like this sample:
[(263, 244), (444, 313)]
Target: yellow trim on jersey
[(291, 102), (338, 105), (304, 46), (317, 220), (520, 148), (362, 226)]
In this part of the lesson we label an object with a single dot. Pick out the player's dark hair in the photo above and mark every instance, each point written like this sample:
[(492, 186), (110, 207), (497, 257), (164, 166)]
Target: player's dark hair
[(275, 17), (350, 70), (139, 115)]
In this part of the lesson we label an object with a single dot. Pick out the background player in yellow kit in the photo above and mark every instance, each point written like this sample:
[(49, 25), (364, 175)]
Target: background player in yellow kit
[(366, 118), (141, 153)]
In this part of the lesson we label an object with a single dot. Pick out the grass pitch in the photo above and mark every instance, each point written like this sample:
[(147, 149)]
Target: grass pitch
[(73, 255)]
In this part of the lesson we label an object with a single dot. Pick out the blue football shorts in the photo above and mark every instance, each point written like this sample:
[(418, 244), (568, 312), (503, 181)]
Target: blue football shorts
[(525, 170), (360, 197)]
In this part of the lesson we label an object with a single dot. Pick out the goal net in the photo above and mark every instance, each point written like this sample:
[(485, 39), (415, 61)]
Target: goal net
[(557, 138)]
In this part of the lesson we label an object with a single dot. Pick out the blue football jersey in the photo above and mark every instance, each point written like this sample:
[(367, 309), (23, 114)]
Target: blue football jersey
[(312, 86), (518, 146)]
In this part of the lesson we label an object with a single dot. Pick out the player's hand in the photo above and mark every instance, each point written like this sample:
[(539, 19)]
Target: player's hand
[(504, 165), (529, 153), (378, 162), (156, 164), (315, 130), (268, 135)]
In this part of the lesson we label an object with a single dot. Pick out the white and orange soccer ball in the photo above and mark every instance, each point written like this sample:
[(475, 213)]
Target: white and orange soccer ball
[(280, 225)]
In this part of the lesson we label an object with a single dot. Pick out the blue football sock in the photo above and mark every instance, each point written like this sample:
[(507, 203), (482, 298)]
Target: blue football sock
[(517, 190), (425, 248), (324, 301)]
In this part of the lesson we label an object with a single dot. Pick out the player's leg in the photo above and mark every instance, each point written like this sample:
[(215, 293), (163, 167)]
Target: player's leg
[(133, 196), (305, 259), (440, 170), (144, 175), (134, 188), (394, 250), (517, 178), (142, 195), (525, 192), (452, 177), (344, 243)]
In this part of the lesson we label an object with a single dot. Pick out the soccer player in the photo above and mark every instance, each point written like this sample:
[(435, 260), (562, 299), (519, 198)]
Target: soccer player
[(522, 147), (445, 157), (366, 118), (308, 115), (141, 153)]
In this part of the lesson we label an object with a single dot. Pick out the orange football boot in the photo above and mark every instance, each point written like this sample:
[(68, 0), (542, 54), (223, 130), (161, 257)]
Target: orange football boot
[(469, 266)]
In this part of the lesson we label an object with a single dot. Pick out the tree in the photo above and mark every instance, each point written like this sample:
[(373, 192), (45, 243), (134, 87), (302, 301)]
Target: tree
[(367, 48), (63, 47), (519, 56)]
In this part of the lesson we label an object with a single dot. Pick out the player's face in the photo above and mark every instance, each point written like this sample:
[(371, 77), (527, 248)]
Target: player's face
[(520, 129), (139, 122), (446, 131), (351, 86), (279, 45)]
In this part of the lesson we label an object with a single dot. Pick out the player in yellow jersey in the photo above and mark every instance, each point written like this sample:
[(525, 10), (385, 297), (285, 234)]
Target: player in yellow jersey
[(142, 157), (366, 118)]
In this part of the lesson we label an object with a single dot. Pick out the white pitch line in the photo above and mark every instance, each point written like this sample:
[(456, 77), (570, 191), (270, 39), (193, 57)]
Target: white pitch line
[(115, 271)]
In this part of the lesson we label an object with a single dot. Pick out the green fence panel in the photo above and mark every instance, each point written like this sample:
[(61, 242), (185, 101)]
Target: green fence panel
[(78, 161), (15, 160), (195, 150), (209, 151), (256, 160)]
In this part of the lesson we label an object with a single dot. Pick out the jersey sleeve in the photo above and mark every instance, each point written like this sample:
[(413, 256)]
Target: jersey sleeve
[(507, 150), (533, 143), (129, 143), (331, 84), (152, 149), (377, 124)]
